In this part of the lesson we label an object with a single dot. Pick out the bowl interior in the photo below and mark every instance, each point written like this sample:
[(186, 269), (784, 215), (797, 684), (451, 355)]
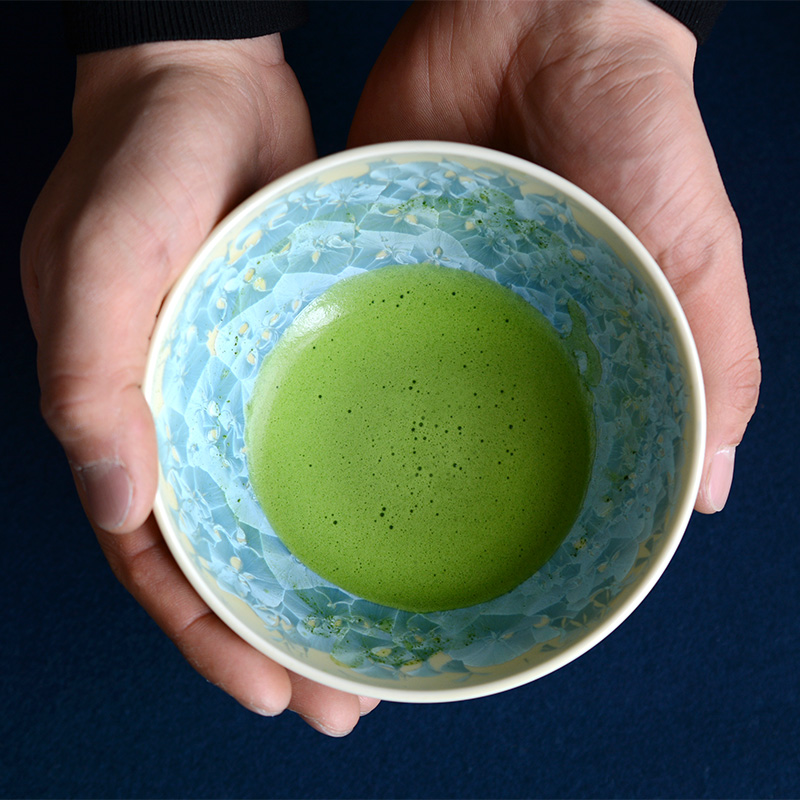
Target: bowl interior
[(464, 208)]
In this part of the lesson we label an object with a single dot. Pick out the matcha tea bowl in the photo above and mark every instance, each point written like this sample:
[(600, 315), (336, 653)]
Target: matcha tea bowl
[(430, 421)]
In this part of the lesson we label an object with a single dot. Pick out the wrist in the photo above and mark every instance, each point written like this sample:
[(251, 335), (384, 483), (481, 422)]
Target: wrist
[(566, 29), (243, 66)]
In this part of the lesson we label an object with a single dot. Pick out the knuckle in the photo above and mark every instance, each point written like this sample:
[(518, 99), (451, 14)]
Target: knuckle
[(745, 382), (698, 255), (69, 406), (737, 391), (136, 571)]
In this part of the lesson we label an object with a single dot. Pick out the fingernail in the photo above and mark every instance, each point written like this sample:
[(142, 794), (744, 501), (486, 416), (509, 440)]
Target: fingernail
[(366, 705), (720, 477), (322, 728), (109, 492), (264, 712)]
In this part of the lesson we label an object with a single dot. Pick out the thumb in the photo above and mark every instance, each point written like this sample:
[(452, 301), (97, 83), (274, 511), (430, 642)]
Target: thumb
[(93, 319), (715, 300)]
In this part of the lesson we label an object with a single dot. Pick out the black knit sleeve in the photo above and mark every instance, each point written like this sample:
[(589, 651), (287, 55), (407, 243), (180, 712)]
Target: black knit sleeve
[(698, 16), (93, 25)]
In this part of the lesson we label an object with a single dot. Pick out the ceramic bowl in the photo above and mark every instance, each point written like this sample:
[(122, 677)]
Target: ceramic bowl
[(467, 208)]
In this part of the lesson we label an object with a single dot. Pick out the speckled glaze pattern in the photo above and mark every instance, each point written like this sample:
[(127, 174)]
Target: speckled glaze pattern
[(468, 217)]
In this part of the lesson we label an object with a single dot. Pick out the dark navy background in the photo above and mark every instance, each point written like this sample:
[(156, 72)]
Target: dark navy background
[(696, 695)]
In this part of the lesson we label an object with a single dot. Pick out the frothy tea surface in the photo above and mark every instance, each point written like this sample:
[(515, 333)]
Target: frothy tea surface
[(420, 437)]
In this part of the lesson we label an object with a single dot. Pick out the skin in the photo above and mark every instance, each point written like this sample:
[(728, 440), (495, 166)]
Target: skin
[(168, 137)]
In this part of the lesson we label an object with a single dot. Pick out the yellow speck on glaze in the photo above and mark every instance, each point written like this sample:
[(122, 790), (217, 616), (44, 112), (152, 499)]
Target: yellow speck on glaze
[(211, 341), (438, 660), (168, 493), (252, 239)]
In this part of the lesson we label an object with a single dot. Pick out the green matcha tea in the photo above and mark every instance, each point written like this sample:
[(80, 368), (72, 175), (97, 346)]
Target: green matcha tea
[(420, 436)]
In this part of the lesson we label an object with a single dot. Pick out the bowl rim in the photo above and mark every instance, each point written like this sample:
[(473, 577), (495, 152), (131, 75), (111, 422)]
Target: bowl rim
[(670, 306)]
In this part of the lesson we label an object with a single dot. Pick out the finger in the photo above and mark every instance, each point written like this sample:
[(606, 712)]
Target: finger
[(367, 704), (715, 299), (144, 565), (95, 317), (327, 710), (95, 272)]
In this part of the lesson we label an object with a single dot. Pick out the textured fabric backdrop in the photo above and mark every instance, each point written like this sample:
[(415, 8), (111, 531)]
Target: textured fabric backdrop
[(695, 695)]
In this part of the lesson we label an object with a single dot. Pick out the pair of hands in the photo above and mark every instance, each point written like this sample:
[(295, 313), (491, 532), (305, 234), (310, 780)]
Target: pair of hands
[(169, 137)]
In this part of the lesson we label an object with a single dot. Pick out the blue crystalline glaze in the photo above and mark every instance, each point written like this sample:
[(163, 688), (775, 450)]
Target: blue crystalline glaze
[(442, 213)]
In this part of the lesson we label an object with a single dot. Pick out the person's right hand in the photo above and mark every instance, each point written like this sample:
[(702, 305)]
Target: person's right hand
[(168, 137)]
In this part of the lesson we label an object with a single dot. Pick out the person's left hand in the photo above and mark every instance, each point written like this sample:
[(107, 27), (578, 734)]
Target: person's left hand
[(602, 94)]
